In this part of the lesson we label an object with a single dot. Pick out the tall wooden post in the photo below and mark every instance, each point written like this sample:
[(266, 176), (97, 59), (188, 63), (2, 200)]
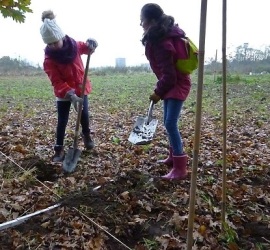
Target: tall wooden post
[(192, 194)]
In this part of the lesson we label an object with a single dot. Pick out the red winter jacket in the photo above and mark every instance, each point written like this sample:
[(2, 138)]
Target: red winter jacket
[(65, 77), (162, 57)]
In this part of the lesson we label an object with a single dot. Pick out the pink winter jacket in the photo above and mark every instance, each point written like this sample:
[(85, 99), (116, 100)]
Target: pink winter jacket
[(162, 57), (65, 77)]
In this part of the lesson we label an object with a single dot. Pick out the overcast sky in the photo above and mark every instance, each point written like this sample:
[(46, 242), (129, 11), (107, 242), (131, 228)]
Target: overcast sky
[(116, 27)]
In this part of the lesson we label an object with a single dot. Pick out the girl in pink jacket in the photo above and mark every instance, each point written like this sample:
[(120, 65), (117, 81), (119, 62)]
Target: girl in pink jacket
[(173, 87), (64, 67)]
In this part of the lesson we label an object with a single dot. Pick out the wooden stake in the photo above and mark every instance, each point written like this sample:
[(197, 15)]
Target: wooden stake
[(224, 115), (192, 194)]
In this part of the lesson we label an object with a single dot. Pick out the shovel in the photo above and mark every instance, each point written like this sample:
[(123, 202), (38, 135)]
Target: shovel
[(73, 154), (144, 128)]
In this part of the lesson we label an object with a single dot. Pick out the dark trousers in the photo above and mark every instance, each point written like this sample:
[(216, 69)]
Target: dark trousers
[(63, 109)]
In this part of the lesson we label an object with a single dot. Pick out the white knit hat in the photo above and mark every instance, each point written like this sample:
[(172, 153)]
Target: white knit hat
[(50, 31)]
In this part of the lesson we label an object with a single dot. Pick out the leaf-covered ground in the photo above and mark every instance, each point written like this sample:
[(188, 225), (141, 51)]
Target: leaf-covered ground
[(115, 198)]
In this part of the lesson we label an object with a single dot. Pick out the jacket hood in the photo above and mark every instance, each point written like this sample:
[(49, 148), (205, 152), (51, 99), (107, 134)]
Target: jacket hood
[(176, 32)]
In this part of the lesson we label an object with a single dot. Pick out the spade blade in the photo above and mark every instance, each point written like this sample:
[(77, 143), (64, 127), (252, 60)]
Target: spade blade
[(71, 160)]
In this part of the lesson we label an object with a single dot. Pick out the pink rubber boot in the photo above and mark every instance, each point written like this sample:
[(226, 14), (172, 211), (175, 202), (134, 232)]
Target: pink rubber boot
[(169, 160), (179, 170)]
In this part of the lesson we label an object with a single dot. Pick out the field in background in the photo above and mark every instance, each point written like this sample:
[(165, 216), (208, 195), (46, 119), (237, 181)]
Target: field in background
[(143, 214)]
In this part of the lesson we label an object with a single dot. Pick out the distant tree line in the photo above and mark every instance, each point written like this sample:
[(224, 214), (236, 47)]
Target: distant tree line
[(10, 66), (244, 60)]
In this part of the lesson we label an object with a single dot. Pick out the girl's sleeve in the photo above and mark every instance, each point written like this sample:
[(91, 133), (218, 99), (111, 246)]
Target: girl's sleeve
[(60, 87), (165, 59), (83, 48)]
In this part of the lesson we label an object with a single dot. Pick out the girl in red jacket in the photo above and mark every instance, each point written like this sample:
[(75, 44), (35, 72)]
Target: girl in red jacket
[(160, 34), (65, 69)]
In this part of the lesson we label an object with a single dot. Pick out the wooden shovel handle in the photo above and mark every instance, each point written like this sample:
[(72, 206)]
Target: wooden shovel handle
[(77, 127)]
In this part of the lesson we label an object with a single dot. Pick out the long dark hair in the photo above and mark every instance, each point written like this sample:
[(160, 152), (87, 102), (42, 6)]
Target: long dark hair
[(164, 23)]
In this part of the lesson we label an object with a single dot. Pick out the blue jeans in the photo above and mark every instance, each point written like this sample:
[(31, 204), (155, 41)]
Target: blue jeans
[(63, 108), (172, 109)]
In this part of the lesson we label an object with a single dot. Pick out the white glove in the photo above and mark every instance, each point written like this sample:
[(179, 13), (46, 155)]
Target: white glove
[(92, 43)]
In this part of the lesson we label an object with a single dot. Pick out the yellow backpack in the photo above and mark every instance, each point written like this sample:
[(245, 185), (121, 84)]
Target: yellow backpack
[(189, 62)]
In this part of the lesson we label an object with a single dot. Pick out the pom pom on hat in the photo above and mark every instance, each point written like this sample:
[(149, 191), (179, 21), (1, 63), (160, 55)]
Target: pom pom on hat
[(49, 30)]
